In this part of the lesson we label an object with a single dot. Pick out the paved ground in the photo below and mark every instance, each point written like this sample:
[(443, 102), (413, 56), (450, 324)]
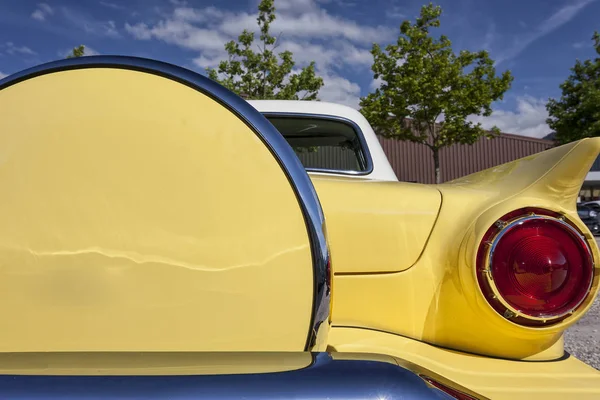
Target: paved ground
[(583, 339)]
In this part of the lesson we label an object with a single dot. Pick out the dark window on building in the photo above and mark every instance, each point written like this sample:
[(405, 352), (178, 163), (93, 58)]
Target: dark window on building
[(322, 143)]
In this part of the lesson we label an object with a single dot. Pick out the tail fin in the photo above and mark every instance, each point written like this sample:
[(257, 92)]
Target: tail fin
[(473, 213), (555, 175)]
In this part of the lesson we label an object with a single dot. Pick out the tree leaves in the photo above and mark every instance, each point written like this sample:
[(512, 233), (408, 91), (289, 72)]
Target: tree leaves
[(425, 81), (576, 115), (78, 51), (263, 74)]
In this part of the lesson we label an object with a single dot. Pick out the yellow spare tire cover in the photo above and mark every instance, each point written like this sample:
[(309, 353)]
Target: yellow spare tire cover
[(146, 208)]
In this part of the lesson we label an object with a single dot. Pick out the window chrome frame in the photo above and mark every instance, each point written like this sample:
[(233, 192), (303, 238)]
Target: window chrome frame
[(269, 135), (368, 159)]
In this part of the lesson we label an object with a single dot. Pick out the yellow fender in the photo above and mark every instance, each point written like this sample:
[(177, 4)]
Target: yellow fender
[(428, 290)]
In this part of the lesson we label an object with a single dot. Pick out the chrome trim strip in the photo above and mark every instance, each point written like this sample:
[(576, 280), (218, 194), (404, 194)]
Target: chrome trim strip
[(325, 378), (506, 227), (359, 133), (283, 153)]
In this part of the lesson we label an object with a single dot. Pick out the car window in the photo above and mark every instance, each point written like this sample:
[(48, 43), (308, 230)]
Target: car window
[(583, 211), (593, 206), (323, 143)]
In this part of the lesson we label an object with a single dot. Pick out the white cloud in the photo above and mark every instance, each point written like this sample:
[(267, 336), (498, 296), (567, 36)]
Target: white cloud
[(139, 31), (38, 14), (46, 8), (297, 21), (354, 55), (42, 11), (210, 59), (114, 6), (490, 36), (91, 52), (305, 52), (196, 15), (13, 49), (375, 84), (550, 24), (336, 53), (295, 6), (338, 89), (233, 24), (322, 24), (395, 12), (180, 33), (563, 15), (90, 24), (316, 23), (529, 118), (341, 3), (107, 28), (303, 27), (3, 75)]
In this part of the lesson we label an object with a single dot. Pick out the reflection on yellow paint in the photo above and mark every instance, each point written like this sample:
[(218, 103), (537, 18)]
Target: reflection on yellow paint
[(492, 377), (151, 363), (376, 226)]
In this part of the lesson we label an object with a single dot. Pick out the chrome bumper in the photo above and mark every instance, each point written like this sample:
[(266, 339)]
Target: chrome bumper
[(209, 376)]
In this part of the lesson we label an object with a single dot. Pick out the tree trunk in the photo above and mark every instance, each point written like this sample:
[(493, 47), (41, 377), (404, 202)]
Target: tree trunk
[(436, 165)]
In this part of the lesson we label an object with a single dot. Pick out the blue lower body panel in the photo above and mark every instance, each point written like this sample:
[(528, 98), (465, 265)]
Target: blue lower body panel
[(325, 378)]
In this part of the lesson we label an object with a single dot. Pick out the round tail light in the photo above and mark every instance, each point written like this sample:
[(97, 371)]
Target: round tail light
[(534, 268)]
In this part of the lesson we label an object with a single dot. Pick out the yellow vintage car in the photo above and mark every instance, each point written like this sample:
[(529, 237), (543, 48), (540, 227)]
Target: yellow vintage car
[(157, 227)]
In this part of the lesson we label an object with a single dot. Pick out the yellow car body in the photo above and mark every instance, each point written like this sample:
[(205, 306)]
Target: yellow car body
[(430, 310), (140, 214)]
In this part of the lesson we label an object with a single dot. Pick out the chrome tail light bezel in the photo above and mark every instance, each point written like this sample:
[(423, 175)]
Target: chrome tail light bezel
[(487, 283)]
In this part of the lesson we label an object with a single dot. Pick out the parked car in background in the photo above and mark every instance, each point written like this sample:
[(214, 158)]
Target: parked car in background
[(156, 227), (589, 216), (594, 205)]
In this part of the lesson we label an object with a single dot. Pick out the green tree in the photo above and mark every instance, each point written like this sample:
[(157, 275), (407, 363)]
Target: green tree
[(78, 51), (423, 80), (263, 74), (576, 115)]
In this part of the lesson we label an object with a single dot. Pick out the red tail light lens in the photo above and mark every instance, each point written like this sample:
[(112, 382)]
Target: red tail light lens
[(535, 269)]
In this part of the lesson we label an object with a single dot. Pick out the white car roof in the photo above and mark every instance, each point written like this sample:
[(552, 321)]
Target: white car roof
[(382, 169)]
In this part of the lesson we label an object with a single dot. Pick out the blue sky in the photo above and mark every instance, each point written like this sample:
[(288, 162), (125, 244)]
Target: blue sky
[(538, 40)]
